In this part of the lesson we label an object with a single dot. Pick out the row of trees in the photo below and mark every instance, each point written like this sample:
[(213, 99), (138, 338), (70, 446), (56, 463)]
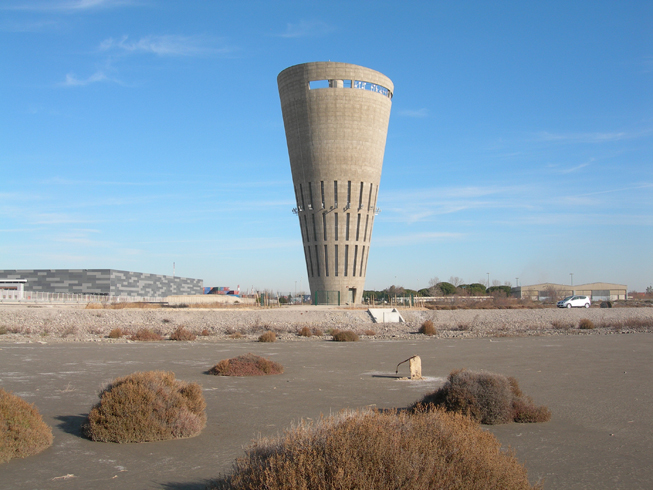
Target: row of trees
[(455, 286)]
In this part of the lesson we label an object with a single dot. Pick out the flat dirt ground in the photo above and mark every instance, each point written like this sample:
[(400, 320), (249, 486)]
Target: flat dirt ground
[(598, 387)]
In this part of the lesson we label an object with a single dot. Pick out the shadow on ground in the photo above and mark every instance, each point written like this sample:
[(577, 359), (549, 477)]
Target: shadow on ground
[(72, 424), (197, 485)]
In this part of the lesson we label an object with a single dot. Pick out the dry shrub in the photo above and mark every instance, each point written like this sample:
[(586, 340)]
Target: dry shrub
[(22, 430), (182, 333), (116, 333), (370, 333), (246, 365), (3, 330), (562, 325), (305, 332), (586, 324), (205, 333), (428, 328), (145, 335), (626, 324), (367, 450), (345, 336), (525, 411), (236, 335), (147, 406), (486, 397), (268, 336), (69, 331), (317, 332)]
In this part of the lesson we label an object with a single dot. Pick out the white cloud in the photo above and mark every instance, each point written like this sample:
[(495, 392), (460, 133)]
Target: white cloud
[(306, 29), (167, 45), (574, 169), (73, 81), (418, 113), (56, 219), (67, 5), (414, 239), (31, 26), (597, 137)]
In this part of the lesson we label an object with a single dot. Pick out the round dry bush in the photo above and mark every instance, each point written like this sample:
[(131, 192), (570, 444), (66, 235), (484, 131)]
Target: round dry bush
[(586, 324), (526, 412), (379, 451), (246, 365), (427, 328), (345, 336), (116, 333), (268, 336), (305, 332), (145, 335), (22, 430), (486, 397), (181, 333), (147, 406)]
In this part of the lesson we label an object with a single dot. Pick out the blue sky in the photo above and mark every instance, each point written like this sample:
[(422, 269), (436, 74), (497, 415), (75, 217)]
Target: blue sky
[(135, 134)]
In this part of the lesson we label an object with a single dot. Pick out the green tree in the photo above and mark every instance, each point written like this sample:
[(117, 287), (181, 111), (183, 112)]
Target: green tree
[(447, 288)]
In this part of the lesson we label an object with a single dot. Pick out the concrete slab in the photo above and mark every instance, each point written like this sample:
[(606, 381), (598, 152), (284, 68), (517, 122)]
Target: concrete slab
[(598, 387), (386, 315)]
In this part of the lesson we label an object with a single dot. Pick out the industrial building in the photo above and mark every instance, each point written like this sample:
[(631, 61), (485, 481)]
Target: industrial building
[(336, 119), (106, 282), (596, 291)]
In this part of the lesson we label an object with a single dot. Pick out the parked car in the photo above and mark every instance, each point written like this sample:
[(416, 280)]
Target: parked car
[(575, 302)]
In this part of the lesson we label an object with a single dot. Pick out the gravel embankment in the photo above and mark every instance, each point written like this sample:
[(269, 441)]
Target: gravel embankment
[(69, 324)]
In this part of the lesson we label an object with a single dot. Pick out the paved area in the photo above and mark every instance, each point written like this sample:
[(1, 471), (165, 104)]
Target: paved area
[(598, 387)]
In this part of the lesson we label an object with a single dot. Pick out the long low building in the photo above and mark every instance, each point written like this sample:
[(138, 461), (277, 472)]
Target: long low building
[(106, 282), (597, 291)]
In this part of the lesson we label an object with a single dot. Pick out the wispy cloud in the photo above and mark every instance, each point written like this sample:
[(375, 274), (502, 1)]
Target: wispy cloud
[(416, 238), (574, 169), (29, 26), (597, 137), (57, 219), (167, 45), (73, 81), (307, 29), (418, 113), (67, 5), (643, 185), (454, 192), (419, 205), (63, 181), (80, 237)]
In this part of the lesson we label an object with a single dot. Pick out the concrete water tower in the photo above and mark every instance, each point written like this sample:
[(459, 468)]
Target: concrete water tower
[(336, 119)]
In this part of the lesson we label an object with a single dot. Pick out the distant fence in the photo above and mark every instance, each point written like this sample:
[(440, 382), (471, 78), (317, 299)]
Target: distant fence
[(420, 301), (67, 298), (209, 299)]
